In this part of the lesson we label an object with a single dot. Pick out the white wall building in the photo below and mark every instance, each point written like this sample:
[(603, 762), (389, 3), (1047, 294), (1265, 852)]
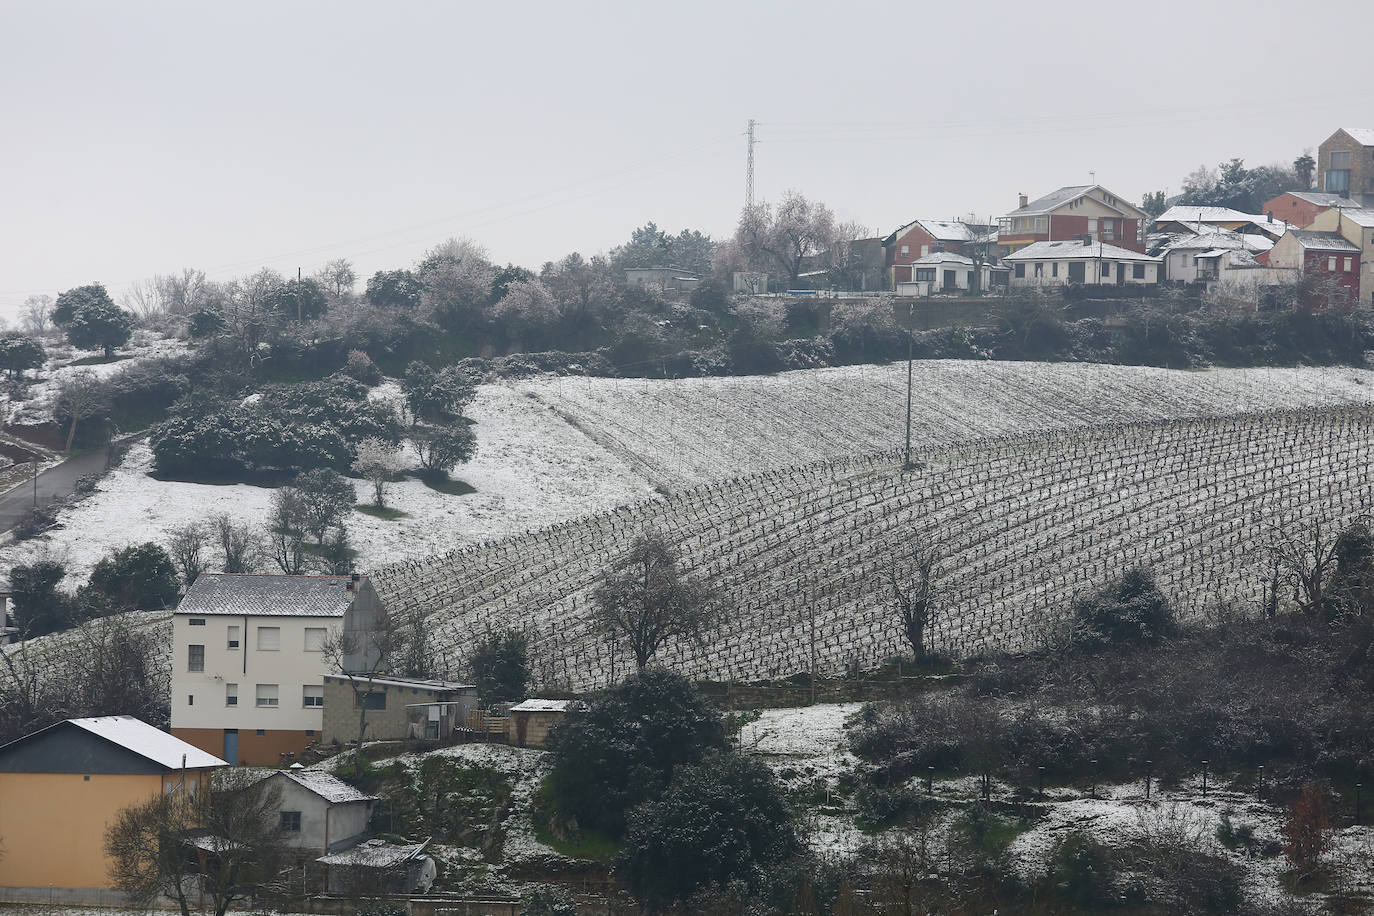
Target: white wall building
[(320, 812), (1089, 264), (248, 664)]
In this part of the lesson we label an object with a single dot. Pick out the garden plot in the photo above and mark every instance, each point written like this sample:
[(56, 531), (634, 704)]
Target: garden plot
[(685, 432)]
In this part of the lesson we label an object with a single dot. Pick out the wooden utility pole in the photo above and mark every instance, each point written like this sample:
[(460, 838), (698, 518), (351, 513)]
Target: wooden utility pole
[(298, 295)]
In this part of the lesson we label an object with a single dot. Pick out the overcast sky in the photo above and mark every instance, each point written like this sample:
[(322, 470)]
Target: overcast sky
[(141, 138)]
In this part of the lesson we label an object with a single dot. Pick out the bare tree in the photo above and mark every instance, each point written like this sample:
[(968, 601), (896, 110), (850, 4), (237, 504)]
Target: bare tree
[(1305, 554), (286, 530), (188, 546), (378, 461), (362, 655), (786, 238), (37, 315), (78, 396), (144, 299), (234, 824), (644, 600), (915, 597), (238, 544), (186, 292), (337, 277)]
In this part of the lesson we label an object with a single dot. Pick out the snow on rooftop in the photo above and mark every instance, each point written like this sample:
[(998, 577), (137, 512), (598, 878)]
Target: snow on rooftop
[(943, 257), (326, 785), (1360, 217), (546, 705), (1362, 135), (375, 854), (1074, 248), (147, 741), (1183, 213), (267, 595)]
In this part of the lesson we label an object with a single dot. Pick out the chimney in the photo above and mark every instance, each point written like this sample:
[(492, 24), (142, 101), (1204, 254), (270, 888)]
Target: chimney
[(1270, 214), (1023, 200), (1087, 240), (352, 582)]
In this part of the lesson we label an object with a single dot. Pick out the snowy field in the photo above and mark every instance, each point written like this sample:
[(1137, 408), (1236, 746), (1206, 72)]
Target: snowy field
[(683, 432), (531, 470), (553, 450)]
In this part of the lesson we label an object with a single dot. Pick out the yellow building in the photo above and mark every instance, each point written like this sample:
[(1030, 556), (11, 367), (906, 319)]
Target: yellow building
[(62, 786)]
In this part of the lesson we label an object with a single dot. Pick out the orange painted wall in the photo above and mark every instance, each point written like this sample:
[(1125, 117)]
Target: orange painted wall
[(254, 749), (52, 825)]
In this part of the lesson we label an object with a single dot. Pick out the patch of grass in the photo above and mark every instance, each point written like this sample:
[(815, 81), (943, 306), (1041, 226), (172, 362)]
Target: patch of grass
[(323, 550), (450, 485), (588, 844), (385, 512), (99, 360)]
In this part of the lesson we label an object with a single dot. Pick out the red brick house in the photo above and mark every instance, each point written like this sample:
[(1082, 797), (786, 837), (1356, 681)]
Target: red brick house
[(1300, 208), (922, 237), (1072, 213), (1326, 258)]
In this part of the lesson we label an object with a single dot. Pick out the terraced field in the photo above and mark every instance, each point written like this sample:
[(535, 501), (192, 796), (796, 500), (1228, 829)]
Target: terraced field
[(1026, 522)]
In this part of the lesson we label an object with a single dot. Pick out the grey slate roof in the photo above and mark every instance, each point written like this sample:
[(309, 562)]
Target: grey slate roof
[(327, 786), (1363, 135), (1323, 241), (266, 596), (1053, 199), (1323, 199)]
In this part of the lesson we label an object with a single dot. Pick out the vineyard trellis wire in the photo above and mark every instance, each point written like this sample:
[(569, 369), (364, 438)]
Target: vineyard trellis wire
[(1025, 522)]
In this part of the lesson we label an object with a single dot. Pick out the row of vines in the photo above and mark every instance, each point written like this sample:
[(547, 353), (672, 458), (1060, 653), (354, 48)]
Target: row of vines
[(1024, 522)]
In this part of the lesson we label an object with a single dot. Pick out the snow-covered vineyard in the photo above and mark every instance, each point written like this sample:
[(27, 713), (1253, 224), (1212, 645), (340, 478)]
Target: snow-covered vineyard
[(689, 431), (1024, 522)]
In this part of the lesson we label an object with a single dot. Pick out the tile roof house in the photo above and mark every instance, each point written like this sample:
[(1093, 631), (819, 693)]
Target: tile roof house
[(1345, 164), (248, 661), (1356, 226), (1181, 253), (923, 237), (62, 786), (1300, 208), (1326, 258), (1089, 263), (1071, 213)]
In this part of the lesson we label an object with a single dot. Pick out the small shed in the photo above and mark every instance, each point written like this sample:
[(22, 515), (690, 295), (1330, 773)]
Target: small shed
[(530, 721), (379, 867), (399, 708)]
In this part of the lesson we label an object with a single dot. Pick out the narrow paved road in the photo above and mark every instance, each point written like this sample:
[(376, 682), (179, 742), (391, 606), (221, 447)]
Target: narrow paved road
[(57, 481)]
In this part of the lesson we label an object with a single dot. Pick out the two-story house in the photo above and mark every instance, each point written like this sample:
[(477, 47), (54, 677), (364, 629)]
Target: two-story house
[(1070, 214), (920, 239), (1356, 226), (248, 660), (1345, 164), (1326, 260)]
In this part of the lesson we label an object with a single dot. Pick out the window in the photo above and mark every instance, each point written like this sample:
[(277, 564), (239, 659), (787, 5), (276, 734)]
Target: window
[(1039, 269), (190, 699), (370, 700), (291, 822), (196, 621), (1020, 270), (233, 637), (1340, 159), (1054, 269), (312, 696), (1347, 267), (231, 694), (1331, 263), (314, 639), (1109, 228), (925, 275), (925, 250), (269, 638), (906, 250), (1337, 181), (1042, 224), (267, 694), (1106, 268), (1092, 225), (1138, 271), (195, 658)]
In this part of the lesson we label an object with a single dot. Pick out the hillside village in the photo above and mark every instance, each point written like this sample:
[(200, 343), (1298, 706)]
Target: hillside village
[(1016, 565)]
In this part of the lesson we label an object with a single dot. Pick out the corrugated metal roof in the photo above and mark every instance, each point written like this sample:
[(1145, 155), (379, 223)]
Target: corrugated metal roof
[(146, 741), (326, 785), (375, 854), (1070, 249), (422, 683), (266, 596)]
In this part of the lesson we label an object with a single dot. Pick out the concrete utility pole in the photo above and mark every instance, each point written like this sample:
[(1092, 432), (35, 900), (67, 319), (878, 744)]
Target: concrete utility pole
[(298, 295), (910, 324)]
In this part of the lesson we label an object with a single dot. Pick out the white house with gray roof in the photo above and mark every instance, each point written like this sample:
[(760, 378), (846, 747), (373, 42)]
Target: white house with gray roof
[(1087, 263), (319, 812), (248, 661)]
